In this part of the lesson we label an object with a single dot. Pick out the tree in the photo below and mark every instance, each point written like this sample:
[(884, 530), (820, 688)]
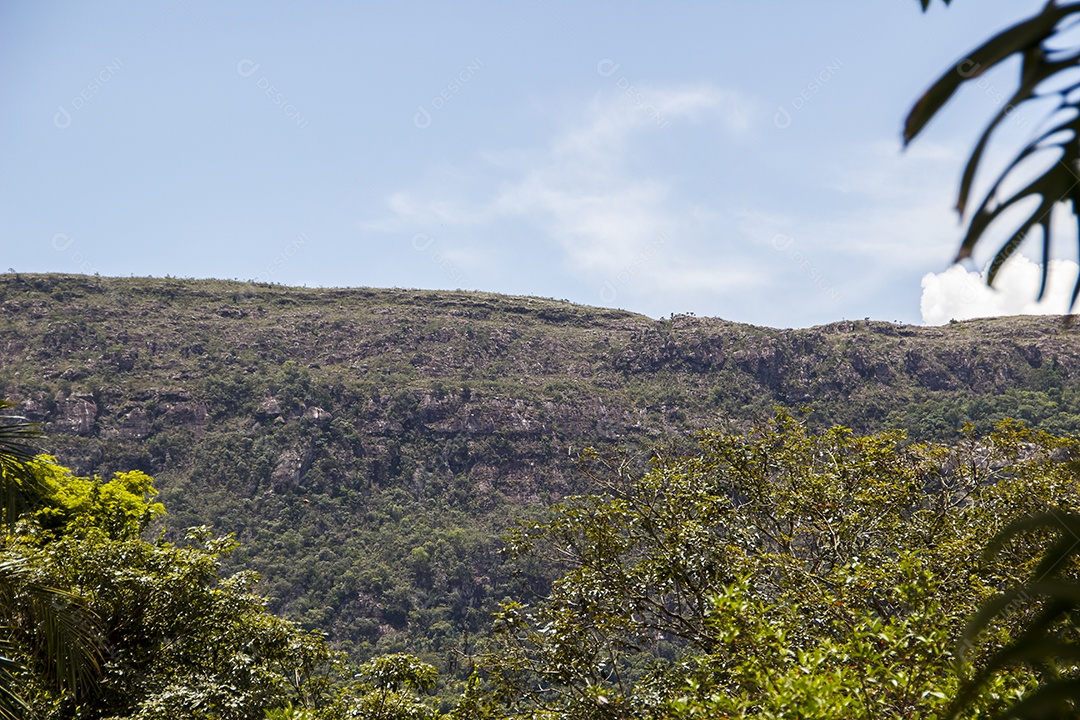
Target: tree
[(774, 570), (1049, 57), (100, 617), (387, 688), (98, 620), (178, 639), (49, 639)]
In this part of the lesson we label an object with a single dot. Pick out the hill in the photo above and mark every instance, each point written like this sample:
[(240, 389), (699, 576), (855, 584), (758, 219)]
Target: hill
[(368, 446)]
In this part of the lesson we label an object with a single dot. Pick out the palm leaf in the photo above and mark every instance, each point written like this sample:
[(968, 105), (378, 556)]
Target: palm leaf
[(52, 628), (1019, 38), (20, 487), (1036, 71), (1053, 699), (1057, 185), (1039, 643), (17, 437), (1066, 525), (12, 705)]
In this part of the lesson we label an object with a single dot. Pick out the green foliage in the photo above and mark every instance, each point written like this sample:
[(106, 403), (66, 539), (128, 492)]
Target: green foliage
[(291, 385), (179, 640), (896, 665), (78, 506), (774, 570), (387, 687), (476, 702), (444, 416), (184, 642), (1047, 643), (1053, 406), (288, 712)]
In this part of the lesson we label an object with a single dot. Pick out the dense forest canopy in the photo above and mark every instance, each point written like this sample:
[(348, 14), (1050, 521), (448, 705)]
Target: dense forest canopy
[(770, 571)]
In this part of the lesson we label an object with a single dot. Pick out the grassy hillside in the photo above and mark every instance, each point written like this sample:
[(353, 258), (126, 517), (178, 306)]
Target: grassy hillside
[(368, 446)]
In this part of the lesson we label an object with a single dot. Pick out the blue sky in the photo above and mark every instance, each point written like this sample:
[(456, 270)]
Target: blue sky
[(730, 159)]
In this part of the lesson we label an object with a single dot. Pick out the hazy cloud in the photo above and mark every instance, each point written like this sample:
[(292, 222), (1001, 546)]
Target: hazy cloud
[(611, 223)]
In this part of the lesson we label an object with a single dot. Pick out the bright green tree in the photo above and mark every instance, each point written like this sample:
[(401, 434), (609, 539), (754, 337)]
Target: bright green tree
[(179, 640), (389, 687)]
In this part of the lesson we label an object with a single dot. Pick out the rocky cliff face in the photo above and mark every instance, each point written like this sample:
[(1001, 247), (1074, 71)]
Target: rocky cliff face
[(134, 361), (250, 402)]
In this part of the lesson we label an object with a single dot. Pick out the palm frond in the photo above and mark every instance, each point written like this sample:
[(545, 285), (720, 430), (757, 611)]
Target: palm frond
[(1054, 598), (12, 705), (1052, 700), (53, 628), (1042, 67), (18, 436), (20, 487)]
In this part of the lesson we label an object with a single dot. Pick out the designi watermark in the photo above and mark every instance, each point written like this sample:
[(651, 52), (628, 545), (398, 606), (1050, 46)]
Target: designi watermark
[(62, 242), (282, 258), (607, 68), (423, 243), (786, 244), (609, 290), (247, 67), (969, 69), (423, 117), (63, 117), (783, 118)]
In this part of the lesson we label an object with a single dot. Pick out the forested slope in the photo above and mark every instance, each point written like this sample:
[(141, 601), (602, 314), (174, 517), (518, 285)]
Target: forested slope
[(368, 447)]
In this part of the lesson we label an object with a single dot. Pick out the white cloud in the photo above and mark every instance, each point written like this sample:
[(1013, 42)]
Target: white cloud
[(961, 294), (610, 221)]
